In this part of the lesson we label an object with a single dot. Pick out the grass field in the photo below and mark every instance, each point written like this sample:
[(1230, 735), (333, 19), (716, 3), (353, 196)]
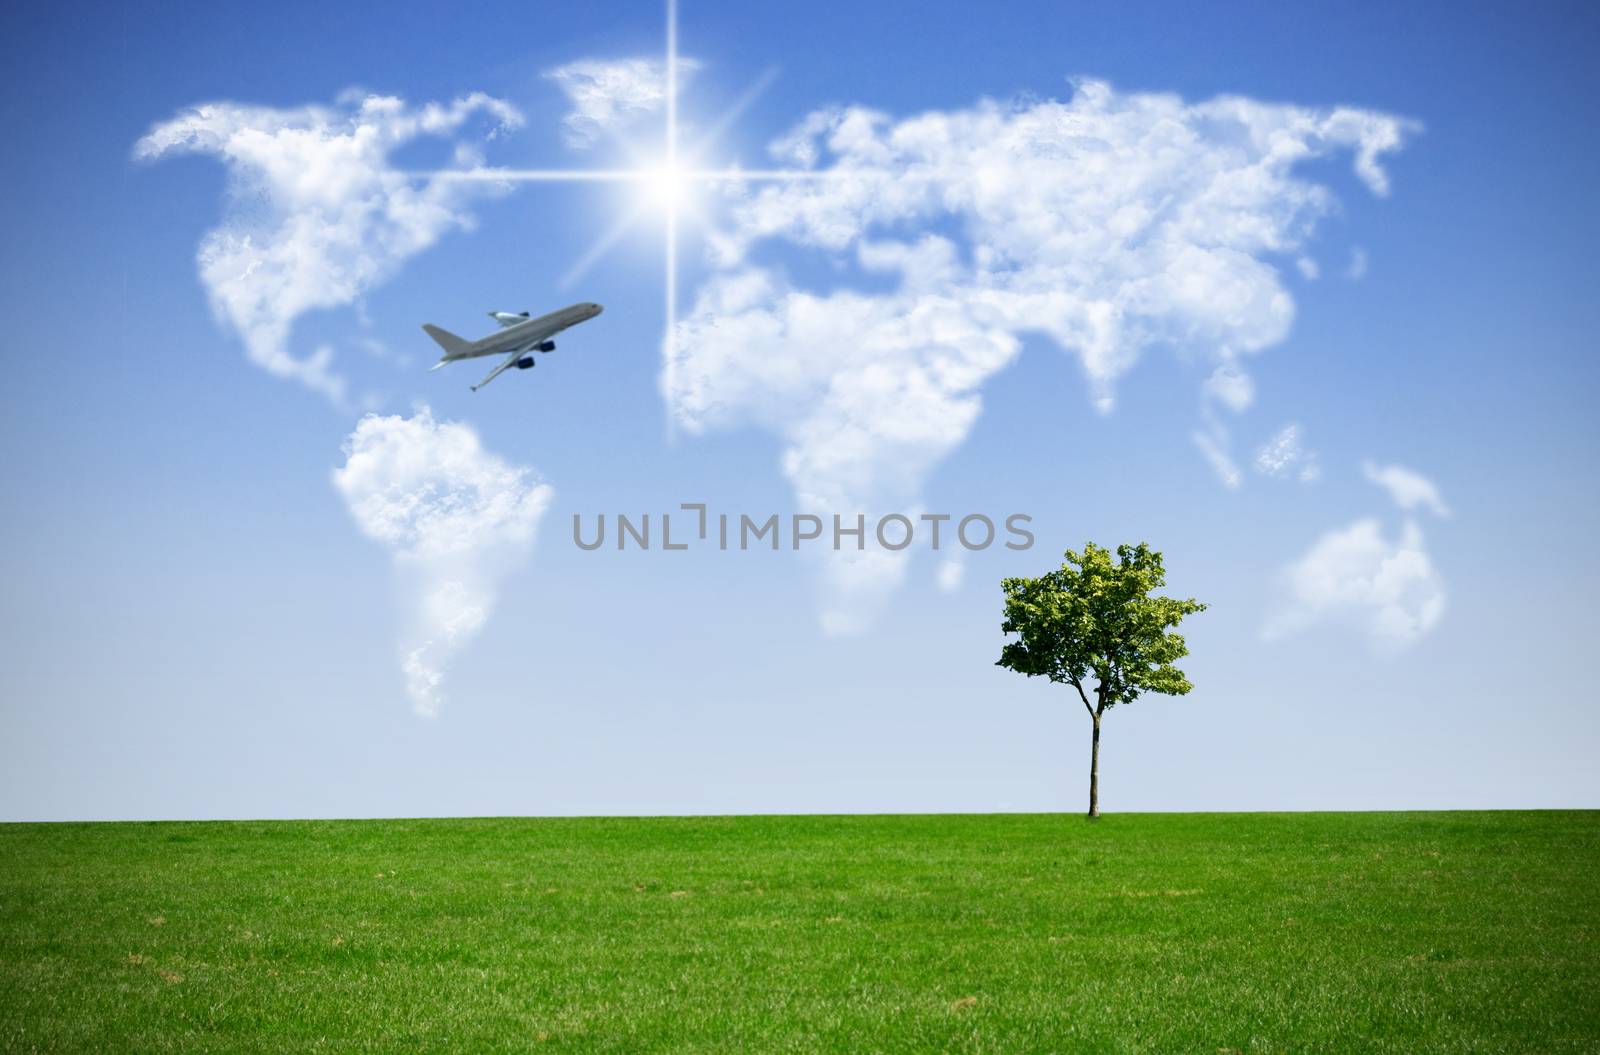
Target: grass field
[(1404, 932)]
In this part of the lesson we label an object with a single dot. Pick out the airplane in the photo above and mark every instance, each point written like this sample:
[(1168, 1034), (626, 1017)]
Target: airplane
[(519, 334)]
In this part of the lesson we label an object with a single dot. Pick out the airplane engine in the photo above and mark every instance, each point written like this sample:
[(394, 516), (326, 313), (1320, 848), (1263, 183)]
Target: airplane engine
[(523, 364), (546, 346)]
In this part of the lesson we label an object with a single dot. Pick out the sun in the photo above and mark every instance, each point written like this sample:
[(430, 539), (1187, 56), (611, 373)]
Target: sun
[(666, 186)]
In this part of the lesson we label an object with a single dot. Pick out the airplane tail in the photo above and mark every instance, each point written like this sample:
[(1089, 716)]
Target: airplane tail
[(451, 344)]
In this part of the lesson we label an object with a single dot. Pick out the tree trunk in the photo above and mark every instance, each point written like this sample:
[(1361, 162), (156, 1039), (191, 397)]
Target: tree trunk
[(1094, 772)]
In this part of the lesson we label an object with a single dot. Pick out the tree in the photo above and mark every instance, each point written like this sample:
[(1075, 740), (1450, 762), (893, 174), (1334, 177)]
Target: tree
[(1095, 618)]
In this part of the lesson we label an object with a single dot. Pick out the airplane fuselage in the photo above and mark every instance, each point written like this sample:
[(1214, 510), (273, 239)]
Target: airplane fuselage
[(517, 337), (526, 334)]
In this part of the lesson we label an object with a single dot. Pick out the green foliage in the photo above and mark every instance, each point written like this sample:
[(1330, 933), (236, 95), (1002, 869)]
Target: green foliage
[(1095, 618), (1404, 933)]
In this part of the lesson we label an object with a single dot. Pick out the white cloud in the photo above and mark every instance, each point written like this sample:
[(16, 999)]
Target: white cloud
[(456, 519), (1231, 387), (316, 215), (1213, 444), (950, 574), (1109, 223), (1284, 455), (1388, 588), (1357, 268), (608, 96), (1308, 268), (1408, 489)]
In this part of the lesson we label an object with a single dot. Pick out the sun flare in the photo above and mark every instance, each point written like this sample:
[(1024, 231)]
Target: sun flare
[(666, 186)]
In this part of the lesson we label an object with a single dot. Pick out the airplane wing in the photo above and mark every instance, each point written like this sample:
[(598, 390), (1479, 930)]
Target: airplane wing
[(508, 318), (506, 364)]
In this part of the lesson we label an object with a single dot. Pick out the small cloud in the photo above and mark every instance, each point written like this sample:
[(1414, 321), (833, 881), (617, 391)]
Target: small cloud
[(455, 518), (1387, 587), (609, 95), (1308, 268), (1357, 268), (1284, 455), (1408, 489), (1213, 445), (950, 574), (1231, 387)]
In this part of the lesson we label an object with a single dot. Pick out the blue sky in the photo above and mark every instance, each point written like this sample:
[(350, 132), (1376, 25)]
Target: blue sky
[(196, 625)]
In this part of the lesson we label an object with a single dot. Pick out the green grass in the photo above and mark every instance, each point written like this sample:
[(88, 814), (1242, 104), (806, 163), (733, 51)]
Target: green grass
[(1403, 932)]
